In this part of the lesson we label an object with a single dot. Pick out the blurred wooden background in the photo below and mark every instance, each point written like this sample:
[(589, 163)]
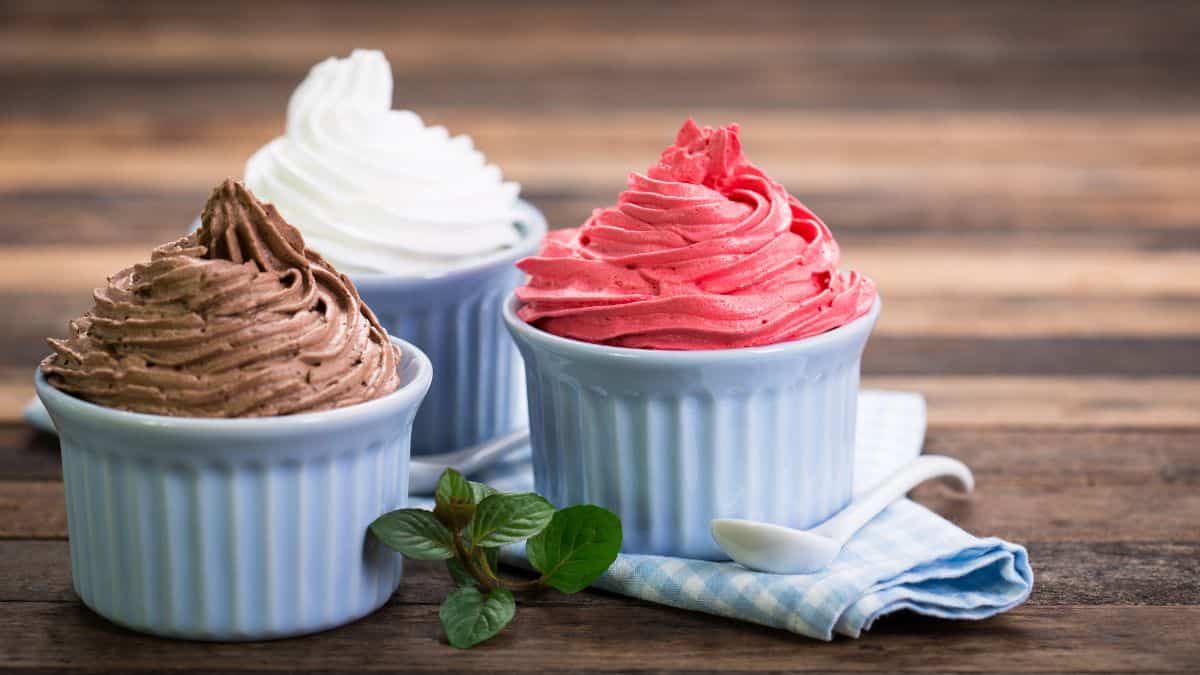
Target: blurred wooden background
[(1020, 178)]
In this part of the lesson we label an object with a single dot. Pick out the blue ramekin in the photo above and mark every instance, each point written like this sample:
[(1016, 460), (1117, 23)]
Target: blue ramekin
[(669, 440), (235, 529), (454, 316)]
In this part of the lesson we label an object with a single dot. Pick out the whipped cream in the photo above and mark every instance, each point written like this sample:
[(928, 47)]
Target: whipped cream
[(373, 189)]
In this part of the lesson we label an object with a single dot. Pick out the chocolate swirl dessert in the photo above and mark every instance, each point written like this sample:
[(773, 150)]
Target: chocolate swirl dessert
[(238, 319)]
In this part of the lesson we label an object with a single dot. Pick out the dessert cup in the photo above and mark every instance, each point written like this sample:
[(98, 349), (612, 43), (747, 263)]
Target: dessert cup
[(454, 317), (669, 440), (235, 529)]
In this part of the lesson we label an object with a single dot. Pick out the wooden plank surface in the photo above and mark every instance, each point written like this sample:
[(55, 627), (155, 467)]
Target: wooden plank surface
[(1019, 178), (407, 638)]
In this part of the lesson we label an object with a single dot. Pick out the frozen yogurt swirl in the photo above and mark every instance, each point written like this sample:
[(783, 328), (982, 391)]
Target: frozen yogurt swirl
[(235, 320), (705, 251), (374, 189)]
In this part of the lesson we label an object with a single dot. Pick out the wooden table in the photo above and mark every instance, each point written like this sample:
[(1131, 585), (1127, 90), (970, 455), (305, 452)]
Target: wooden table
[(1020, 181)]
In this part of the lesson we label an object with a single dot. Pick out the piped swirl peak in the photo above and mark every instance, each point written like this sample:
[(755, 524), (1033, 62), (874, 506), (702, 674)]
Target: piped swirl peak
[(238, 319), (703, 251), (375, 189), (237, 227)]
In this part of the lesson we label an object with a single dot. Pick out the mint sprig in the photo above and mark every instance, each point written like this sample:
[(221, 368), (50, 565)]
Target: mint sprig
[(571, 548)]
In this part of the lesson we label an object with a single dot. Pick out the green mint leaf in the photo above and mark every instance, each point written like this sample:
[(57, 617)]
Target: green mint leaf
[(578, 545), (416, 533), (455, 500), (469, 617), (506, 518), (481, 491), (459, 573), (452, 488)]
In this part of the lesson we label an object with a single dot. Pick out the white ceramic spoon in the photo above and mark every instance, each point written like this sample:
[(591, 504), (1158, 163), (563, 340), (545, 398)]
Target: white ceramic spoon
[(423, 473), (783, 550)]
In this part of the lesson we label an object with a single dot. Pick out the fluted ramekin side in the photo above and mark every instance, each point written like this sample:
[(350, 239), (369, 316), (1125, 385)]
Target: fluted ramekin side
[(671, 440), (243, 529), (455, 317)]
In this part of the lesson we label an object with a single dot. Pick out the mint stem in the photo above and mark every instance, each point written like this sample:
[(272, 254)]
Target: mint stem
[(468, 562), (525, 586), (481, 563), (475, 562)]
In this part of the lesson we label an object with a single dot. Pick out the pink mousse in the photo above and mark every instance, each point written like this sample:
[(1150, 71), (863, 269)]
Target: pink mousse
[(705, 251)]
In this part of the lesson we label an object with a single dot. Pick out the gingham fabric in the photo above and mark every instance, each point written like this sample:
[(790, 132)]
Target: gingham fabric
[(906, 558)]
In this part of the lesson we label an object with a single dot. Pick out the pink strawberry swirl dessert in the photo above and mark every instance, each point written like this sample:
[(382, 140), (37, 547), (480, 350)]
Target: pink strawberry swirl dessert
[(705, 251)]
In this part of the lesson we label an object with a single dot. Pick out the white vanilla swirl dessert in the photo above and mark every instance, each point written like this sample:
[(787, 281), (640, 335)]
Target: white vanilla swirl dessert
[(374, 189)]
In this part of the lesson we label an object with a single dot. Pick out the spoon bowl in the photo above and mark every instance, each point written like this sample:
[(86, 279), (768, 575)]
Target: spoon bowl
[(775, 548)]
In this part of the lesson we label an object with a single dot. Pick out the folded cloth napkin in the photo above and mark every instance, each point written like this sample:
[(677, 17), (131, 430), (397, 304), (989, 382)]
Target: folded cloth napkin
[(906, 558)]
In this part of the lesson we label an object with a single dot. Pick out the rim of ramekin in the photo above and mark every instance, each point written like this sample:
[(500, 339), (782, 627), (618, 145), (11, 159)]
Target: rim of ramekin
[(846, 333), (530, 222), (409, 393)]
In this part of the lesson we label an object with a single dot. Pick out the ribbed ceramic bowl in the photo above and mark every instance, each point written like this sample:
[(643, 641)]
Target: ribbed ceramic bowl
[(670, 440), (454, 317), (238, 529)]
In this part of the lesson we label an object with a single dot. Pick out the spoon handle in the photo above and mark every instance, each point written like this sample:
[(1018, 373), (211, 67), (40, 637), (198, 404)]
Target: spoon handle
[(423, 472), (486, 448), (492, 452), (843, 526)]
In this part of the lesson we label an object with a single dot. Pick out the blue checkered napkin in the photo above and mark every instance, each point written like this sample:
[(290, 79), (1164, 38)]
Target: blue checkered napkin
[(906, 558)]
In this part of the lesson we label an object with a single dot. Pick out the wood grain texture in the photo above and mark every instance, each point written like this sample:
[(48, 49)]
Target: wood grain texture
[(408, 638), (936, 56), (1019, 178), (1053, 402)]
